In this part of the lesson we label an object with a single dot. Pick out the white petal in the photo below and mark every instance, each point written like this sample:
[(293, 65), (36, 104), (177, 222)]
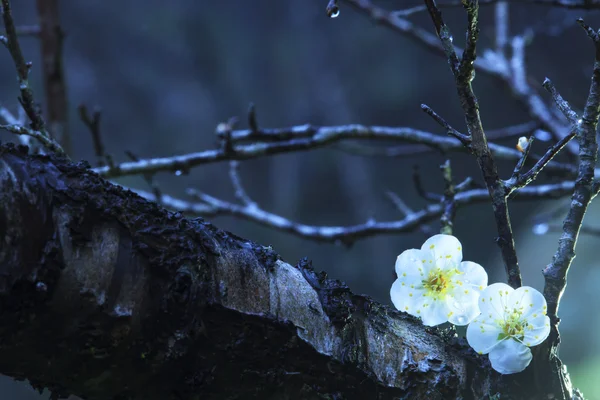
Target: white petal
[(537, 331), (444, 247), (407, 299), (483, 336), (414, 264), (435, 312), (510, 357), (528, 300), (493, 300), (473, 275), (463, 305)]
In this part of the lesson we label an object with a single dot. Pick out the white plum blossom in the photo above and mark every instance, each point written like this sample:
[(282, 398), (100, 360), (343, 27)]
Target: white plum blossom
[(511, 321), (435, 284)]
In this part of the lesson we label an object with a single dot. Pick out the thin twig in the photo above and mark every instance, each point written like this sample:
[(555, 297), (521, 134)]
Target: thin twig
[(37, 127), (463, 71), (22, 67), (48, 142), (447, 218), (51, 38), (492, 63), (92, 122), (555, 274), (239, 191), (210, 206), (303, 138)]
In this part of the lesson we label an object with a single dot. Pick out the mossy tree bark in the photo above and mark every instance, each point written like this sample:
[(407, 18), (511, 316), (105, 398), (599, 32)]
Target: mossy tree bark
[(108, 296)]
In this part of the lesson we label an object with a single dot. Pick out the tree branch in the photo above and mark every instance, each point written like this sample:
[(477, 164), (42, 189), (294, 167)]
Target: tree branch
[(160, 306), (51, 38), (265, 142), (555, 274), (510, 72), (38, 126), (464, 73)]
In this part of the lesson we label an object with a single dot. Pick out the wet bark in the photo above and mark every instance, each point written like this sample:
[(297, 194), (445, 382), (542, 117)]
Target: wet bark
[(108, 296)]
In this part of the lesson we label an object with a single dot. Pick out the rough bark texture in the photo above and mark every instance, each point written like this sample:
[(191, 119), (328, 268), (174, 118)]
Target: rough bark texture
[(108, 296)]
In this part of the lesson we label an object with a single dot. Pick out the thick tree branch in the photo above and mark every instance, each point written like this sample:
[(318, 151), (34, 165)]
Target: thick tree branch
[(157, 306)]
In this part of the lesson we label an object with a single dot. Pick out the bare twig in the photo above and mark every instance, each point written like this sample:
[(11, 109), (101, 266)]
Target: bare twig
[(92, 122), (450, 131), (569, 4), (463, 71), (447, 219), (48, 142), (555, 274), (492, 63), (303, 138), (51, 38), (38, 125), (239, 191), (360, 149), (519, 180), (210, 206), (26, 99)]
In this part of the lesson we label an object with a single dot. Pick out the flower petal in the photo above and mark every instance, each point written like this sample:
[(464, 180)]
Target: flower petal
[(493, 300), (482, 336), (406, 298), (463, 305), (537, 331), (434, 312), (444, 247), (414, 264), (528, 300), (473, 275), (510, 357)]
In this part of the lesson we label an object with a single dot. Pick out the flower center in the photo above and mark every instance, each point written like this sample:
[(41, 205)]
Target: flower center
[(438, 282), (512, 326)]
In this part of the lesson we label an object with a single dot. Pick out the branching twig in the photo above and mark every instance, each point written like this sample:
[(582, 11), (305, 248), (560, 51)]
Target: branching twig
[(555, 274), (12, 43), (48, 142), (209, 206), (493, 63), (404, 151), (303, 138), (38, 126), (463, 71), (92, 122), (51, 38)]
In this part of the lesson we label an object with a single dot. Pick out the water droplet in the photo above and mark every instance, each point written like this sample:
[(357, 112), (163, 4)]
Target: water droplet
[(541, 229), (467, 281), (333, 11), (461, 320), (178, 173), (456, 304)]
